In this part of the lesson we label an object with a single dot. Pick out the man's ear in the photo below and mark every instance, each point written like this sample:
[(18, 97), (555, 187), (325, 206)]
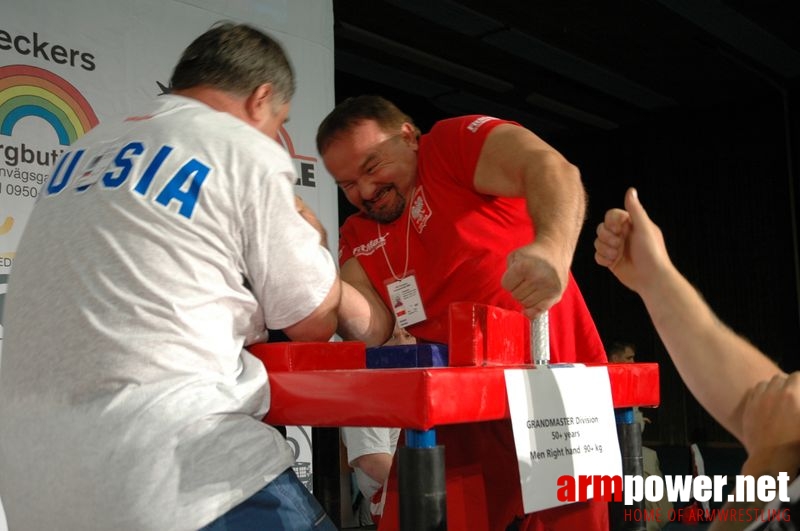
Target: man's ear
[(259, 102), (409, 133)]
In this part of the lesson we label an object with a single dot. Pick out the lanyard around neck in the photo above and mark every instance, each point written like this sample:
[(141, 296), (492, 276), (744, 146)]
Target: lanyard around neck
[(408, 231)]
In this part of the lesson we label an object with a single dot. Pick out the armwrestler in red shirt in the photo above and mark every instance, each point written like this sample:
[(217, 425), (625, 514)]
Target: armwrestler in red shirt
[(481, 210)]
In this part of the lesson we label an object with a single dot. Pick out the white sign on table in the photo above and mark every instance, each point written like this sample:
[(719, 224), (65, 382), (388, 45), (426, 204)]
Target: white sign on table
[(563, 424)]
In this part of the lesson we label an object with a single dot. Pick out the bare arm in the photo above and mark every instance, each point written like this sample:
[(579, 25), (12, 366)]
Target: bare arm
[(376, 466), (771, 436), (320, 325), (718, 366), (362, 314), (514, 162)]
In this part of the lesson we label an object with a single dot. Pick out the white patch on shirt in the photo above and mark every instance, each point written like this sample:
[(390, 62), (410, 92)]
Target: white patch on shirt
[(478, 122)]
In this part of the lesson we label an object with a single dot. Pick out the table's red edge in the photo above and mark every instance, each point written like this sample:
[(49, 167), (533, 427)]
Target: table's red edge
[(421, 398)]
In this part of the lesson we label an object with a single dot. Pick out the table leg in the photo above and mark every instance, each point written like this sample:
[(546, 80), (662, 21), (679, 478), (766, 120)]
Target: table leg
[(325, 479), (630, 445), (421, 478)]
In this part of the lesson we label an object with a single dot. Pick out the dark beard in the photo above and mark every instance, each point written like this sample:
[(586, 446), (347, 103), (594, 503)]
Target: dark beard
[(387, 216)]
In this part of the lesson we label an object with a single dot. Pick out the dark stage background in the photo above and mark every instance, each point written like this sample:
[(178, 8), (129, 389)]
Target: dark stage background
[(717, 182)]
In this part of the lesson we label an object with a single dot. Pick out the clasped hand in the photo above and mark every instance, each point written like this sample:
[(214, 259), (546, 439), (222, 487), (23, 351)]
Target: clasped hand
[(536, 276)]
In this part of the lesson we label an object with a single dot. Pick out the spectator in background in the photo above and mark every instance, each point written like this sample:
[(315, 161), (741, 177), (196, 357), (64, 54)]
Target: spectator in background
[(625, 352)]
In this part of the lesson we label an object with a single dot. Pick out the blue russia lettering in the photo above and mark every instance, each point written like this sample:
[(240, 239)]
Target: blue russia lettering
[(147, 177), (194, 170), (123, 163), (59, 180), (184, 186)]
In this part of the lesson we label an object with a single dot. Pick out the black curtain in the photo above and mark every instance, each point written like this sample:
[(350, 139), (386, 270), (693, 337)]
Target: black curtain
[(718, 183)]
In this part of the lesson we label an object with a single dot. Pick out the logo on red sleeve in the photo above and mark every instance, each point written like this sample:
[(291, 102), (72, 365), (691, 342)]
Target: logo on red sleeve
[(478, 122)]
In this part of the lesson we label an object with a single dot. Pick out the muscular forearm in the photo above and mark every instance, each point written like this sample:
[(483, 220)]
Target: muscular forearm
[(718, 366), (321, 323), (361, 320)]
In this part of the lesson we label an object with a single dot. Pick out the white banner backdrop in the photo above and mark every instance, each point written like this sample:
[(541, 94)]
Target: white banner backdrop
[(65, 66)]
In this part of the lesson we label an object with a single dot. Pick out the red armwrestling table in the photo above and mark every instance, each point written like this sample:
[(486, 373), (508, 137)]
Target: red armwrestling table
[(328, 384)]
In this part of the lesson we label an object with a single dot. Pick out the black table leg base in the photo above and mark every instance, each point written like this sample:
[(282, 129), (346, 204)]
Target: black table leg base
[(423, 497)]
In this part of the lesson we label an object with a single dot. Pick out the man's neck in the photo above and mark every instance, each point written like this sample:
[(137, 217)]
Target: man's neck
[(215, 98)]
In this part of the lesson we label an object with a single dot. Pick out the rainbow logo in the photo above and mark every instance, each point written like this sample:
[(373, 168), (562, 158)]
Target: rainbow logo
[(30, 91)]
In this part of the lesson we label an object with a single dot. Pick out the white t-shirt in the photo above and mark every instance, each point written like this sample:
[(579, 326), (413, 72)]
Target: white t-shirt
[(363, 441), (127, 401)]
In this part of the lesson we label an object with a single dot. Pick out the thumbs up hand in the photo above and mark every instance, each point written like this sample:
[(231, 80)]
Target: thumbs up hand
[(630, 245)]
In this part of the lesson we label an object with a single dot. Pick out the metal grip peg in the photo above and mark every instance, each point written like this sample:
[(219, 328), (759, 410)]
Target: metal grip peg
[(540, 339)]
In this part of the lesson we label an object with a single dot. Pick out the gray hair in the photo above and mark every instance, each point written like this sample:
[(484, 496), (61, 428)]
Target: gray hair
[(235, 58)]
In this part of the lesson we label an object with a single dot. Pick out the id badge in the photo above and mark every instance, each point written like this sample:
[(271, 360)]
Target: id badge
[(406, 301)]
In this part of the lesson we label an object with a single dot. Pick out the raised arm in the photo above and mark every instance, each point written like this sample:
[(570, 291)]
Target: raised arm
[(514, 162), (718, 366)]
